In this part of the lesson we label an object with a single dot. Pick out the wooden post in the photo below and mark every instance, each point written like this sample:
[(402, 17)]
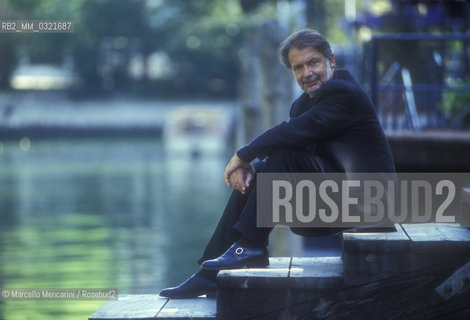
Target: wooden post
[(266, 89), (265, 84)]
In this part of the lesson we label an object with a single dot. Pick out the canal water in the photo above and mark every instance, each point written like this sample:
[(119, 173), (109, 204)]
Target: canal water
[(101, 213)]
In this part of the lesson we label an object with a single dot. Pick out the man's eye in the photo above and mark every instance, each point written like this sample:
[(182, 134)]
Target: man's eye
[(312, 63)]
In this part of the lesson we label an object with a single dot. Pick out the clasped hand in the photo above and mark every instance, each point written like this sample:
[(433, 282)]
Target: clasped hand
[(239, 174)]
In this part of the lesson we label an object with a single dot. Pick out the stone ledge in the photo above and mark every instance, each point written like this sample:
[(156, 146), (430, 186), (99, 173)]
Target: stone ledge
[(286, 273), (152, 306), (284, 290), (370, 257)]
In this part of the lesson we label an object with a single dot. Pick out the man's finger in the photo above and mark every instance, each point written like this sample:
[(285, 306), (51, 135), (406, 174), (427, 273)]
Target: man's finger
[(227, 180), (248, 180)]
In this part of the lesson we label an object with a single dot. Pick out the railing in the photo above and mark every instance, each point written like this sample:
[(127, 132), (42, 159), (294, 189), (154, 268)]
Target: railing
[(404, 105)]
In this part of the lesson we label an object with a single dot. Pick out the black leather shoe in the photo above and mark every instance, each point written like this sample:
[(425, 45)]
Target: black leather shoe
[(237, 257), (195, 286)]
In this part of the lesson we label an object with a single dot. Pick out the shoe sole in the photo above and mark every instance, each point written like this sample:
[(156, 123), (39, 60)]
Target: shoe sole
[(208, 294), (253, 264)]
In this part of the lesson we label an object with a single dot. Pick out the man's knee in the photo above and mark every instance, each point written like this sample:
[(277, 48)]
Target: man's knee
[(283, 160), (287, 160), (285, 154), (297, 160)]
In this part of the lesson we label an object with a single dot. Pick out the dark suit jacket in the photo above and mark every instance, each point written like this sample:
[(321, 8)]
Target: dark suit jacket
[(339, 125)]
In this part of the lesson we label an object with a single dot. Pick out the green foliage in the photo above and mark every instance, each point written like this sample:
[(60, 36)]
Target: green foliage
[(457, 98), (201, 38), (113, 18)]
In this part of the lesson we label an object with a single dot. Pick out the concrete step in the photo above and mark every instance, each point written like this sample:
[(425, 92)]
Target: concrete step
[(373, 256), (284, 290), (152, 306), (414, 272)]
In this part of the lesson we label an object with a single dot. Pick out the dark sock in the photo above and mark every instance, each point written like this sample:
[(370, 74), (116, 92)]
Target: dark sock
[(209, 274), (247, 243)]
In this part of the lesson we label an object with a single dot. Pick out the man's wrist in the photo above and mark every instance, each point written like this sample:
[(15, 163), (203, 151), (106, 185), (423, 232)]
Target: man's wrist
[(243, 156)]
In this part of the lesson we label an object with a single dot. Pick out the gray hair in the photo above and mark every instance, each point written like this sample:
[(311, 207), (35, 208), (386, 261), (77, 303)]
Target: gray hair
[(301, 39)]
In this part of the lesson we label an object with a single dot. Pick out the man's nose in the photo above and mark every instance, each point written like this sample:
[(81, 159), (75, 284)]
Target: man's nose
[(307, 71)]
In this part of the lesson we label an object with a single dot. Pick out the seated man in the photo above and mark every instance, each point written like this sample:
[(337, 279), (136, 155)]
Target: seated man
[(333, 127)]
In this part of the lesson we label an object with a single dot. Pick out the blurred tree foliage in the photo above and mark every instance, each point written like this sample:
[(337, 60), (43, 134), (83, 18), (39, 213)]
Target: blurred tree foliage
[(426, 17), (201, 39), (456, 102)]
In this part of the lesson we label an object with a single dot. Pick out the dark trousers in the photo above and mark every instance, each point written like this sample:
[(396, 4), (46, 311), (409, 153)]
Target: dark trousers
[(239, 216)]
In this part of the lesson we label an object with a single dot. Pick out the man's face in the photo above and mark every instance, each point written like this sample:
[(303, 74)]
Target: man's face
[(311, 68)]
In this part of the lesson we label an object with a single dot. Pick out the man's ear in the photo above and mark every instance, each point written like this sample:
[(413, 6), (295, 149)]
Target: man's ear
[(331, 59)]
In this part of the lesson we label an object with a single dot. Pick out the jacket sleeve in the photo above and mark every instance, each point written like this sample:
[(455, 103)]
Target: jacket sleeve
[(331, 115)]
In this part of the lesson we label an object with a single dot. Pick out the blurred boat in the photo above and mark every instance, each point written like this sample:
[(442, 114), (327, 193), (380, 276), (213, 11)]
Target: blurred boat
[(197, 132), (42, 77)]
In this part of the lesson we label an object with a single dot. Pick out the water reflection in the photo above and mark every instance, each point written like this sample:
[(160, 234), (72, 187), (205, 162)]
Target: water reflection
[(101, 213)]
